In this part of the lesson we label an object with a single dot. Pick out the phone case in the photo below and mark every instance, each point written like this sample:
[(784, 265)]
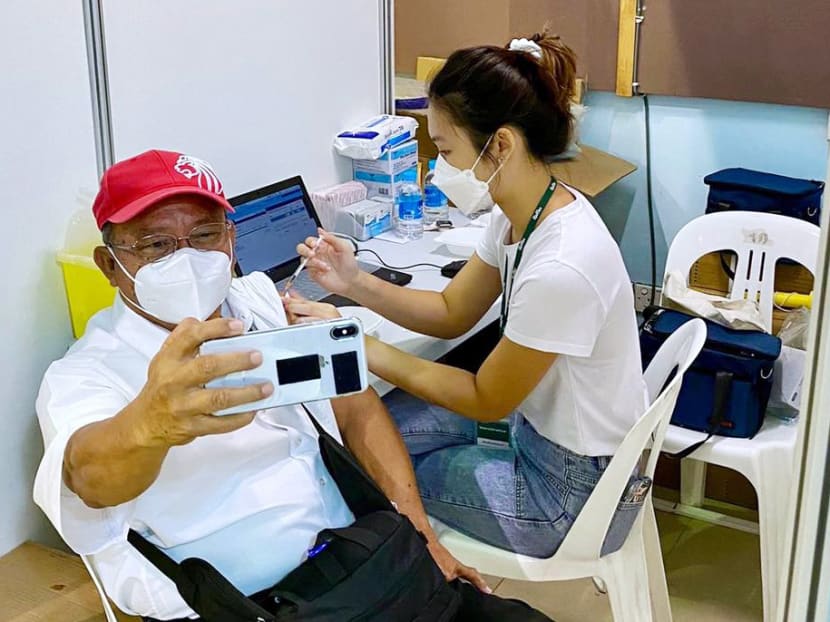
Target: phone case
[(305, 363)]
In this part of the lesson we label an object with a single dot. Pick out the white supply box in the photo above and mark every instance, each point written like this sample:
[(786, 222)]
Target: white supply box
[(397, 159), (386, 185), (365, 219)]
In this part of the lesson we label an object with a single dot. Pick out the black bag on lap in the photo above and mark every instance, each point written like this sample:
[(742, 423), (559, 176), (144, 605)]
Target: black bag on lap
[(377, 569)]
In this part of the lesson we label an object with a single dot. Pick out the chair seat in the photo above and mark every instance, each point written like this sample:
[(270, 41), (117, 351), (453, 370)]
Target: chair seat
[(507, 564), (775, 435)]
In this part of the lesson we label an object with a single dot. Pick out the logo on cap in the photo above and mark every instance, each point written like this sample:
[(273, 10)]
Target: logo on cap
[(192, 167)]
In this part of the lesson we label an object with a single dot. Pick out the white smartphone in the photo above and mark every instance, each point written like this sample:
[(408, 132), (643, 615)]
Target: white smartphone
[(305, 362)]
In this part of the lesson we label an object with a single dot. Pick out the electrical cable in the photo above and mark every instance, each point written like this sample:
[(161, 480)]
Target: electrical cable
[(386, 265), (358, 250), (650, 201)]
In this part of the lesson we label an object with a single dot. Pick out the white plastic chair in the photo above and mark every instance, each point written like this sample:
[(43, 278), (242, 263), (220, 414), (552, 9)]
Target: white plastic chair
[(759, 241), (634, 575)]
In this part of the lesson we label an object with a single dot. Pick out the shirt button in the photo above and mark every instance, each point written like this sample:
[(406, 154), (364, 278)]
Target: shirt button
[(322, 481)]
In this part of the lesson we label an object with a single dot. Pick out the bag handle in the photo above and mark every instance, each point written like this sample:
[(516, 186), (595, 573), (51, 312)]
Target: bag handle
[(723, 387), (155, 556), (360, 491)]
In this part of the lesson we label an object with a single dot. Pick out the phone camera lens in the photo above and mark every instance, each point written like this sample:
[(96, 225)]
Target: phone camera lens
[(344, 332)]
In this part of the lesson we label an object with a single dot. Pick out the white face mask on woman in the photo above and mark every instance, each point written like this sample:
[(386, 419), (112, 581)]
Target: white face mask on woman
[(463, 188), (187, 283)]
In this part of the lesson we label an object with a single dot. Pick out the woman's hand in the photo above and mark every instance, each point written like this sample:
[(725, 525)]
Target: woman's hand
[(302, 311), (332, 263)]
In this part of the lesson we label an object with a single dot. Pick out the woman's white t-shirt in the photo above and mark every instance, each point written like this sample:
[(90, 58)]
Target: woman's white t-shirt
[(572, 296)]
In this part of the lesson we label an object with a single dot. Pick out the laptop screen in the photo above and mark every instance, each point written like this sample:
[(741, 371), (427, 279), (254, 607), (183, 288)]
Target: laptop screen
[(270, 222)]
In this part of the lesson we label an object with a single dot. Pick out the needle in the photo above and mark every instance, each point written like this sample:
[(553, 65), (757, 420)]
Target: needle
[(299, 269)]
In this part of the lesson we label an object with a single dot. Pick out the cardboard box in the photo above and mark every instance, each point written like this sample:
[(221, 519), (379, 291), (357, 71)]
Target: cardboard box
[(383, 185), (364, 219), (707, 275), (397, 159)]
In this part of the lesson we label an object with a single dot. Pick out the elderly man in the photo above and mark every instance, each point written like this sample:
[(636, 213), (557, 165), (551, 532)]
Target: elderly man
[(130, 439)]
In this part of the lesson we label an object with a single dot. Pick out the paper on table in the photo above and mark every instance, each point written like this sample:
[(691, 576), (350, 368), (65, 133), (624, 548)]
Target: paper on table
[(391, 236)]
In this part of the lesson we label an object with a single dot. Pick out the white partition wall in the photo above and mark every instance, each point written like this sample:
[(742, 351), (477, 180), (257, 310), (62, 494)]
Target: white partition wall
[(257, 88), (47, 155)]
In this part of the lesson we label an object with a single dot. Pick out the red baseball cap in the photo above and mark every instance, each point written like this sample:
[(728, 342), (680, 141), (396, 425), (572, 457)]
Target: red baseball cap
[(131, 186)]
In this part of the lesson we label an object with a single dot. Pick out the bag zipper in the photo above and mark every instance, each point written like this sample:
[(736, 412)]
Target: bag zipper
[(719, 347)]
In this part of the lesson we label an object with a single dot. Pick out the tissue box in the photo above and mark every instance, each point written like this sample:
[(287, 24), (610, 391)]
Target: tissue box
[(394, 161), (365, 219), (386, 185)]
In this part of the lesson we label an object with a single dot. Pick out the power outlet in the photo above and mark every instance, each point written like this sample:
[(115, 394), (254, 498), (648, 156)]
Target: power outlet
[(642, 296)]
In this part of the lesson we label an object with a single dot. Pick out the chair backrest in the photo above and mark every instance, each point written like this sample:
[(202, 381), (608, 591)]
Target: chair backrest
[(758, 240), (663, 379)]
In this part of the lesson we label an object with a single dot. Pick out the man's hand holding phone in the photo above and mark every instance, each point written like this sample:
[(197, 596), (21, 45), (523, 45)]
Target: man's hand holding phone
[(177, 406)]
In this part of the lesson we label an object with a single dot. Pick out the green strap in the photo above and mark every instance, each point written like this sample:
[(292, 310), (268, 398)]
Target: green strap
[(531, 227)]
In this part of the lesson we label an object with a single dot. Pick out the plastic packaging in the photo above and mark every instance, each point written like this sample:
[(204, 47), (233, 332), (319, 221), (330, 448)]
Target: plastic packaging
[(375, 137), (795, 328), (328, 200), (410, 212), (785, 398), (436, 206)]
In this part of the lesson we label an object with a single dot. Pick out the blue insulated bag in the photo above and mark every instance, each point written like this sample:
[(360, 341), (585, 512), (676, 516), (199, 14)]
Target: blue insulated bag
[(727, 388), (743, 189)]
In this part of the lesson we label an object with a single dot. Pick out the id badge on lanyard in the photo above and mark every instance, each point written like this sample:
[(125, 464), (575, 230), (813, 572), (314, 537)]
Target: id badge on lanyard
[(497, 433)]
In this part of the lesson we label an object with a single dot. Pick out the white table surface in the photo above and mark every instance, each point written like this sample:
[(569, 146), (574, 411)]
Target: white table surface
[(424, 250)]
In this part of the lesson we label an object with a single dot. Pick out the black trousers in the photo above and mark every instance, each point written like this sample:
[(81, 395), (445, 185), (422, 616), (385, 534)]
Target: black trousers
[(479, 607)]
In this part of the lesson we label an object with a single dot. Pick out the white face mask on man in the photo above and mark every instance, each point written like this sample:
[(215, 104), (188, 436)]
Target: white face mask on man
[(469, 194), (187, 283)]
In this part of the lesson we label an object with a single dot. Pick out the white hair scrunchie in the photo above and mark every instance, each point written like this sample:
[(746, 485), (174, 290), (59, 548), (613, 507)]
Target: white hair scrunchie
[(526, 46)]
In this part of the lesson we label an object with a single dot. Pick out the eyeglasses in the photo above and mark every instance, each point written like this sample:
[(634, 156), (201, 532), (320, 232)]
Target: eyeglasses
[(208, 237)]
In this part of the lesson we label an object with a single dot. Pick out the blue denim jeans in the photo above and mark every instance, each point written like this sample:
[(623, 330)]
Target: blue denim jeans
[(522, 498)]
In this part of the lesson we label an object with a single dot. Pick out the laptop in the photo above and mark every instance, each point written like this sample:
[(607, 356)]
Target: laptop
[(270, 223)]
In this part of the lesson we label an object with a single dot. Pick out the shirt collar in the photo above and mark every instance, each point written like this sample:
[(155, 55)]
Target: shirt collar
[(139, 333), (146, 337)]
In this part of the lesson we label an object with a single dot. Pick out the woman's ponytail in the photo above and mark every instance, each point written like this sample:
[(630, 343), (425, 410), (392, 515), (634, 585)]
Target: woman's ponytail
[(529, 86)]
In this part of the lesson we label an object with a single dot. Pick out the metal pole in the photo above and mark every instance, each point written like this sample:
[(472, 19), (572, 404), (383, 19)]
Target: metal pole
[(386, 9), (99, 83)]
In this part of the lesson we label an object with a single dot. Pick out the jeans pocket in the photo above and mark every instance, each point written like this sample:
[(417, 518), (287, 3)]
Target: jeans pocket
[(626, 513)]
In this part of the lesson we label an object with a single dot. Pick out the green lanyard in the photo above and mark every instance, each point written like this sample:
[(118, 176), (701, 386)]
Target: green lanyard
[(531, 227)]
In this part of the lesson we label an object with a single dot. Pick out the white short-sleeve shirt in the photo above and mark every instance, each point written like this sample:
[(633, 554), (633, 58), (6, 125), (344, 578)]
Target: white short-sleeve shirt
[(572, 296), (251, 502)]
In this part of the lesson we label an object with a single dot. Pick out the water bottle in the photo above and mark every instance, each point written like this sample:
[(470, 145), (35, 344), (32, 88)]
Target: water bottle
[(436, 206), (410, 212)]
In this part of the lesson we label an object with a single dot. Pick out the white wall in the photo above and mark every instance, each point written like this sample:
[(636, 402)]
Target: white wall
[(691, 138), (47, 153), (259, 89)]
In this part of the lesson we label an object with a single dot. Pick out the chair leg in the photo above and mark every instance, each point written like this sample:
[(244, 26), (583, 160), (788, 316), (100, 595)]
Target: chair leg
[(660, 605), (692, 482), (626, 576)]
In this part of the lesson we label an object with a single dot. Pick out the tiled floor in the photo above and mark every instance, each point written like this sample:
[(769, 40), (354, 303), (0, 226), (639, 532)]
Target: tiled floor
[(714, 575)]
